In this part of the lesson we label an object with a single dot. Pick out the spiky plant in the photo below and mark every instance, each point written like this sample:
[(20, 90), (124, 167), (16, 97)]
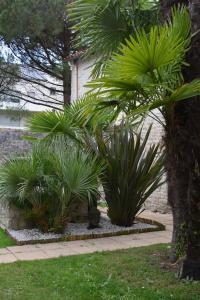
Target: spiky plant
[(132, 172)]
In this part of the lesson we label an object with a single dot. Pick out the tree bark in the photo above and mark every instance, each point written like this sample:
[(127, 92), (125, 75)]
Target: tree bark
[(66, 69), (66, 87), (183, 158)]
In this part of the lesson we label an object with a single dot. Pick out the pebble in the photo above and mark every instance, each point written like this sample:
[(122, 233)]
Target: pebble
[(75, 229)]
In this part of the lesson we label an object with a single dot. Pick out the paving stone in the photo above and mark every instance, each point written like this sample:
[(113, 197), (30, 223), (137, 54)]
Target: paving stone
[(32, 255), (7, 258), (104, 244), (50, 246), (60, 252), (80, 247), (23, 249), (53, 250), (4, 251)]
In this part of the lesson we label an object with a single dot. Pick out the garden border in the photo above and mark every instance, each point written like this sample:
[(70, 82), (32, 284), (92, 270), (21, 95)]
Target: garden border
[(160, 227)]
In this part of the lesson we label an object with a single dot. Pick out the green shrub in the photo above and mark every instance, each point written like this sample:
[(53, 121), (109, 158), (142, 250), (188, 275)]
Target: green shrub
[(132, 172), (47, 181)]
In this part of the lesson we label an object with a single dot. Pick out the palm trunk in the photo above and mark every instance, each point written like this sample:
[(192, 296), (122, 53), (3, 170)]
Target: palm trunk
[(183, 158)]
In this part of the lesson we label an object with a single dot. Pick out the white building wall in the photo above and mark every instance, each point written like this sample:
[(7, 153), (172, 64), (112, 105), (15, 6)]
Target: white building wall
[(80, 76), (13, 113)]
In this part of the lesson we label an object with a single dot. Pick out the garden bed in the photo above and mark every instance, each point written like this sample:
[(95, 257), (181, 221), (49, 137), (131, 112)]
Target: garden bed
[(80, 232)]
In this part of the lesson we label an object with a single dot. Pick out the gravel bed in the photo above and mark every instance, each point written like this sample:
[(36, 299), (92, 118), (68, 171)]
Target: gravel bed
[(72, 229)]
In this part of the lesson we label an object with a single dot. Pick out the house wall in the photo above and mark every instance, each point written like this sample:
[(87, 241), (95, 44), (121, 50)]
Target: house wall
[(45, 88), (80, 76)]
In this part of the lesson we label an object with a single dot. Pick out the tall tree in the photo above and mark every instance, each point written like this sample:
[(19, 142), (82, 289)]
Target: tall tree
[(8, 74), (37, 32), (182, 119), (183, 153)]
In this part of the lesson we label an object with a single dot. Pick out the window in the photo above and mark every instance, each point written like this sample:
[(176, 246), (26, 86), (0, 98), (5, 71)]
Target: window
[(31, 94), (14, 100), (52, 91)]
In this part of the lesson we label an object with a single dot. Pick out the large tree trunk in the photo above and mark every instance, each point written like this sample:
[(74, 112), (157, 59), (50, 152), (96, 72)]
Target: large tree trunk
[(66, 85), (66, 69), (183, 158)]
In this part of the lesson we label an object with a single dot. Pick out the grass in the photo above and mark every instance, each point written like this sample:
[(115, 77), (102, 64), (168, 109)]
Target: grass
[(5, 240), (121, 275)]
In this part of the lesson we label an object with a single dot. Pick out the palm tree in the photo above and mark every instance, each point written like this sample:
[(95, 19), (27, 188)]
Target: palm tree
[(146, 75), (47, 181), (182, 141), (101, 25)]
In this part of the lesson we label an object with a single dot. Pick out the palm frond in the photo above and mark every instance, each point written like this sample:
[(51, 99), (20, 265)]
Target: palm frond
[(52, 123), (140, 62), (186, 91), (81, 115), (49, 179), (110, 22)]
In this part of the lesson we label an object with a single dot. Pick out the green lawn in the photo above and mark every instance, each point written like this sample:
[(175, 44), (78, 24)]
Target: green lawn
[(122, 275), (5, 240)]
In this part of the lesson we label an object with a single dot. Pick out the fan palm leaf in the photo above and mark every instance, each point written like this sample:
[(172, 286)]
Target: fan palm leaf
[(110, 22), (48, 180), (144, 73), (141, 61), (80, 117)]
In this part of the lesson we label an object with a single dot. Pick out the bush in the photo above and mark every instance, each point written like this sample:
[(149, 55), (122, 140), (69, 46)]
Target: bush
[(46, 182), (132, 172)]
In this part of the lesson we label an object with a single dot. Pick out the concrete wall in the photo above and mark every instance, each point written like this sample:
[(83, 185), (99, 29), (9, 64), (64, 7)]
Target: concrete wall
[(80, 76)]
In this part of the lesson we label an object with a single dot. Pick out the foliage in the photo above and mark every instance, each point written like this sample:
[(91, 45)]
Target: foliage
[(38, 34), (77, 122), (8, 73), (132, 172), (81, 114), (145, 75), (47, 181), (129, 170), (110, 22), (149, 71)]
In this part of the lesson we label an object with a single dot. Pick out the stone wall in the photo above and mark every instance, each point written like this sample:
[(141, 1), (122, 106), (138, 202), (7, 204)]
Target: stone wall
[(12, 143), (80, 76), (158, 200)]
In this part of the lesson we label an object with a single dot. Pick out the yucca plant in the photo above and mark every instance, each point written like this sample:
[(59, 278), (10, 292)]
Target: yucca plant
[(47, 181), (132, 172)]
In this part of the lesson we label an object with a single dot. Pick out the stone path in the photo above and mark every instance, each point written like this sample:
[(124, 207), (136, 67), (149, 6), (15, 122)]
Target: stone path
[(53, 250)]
